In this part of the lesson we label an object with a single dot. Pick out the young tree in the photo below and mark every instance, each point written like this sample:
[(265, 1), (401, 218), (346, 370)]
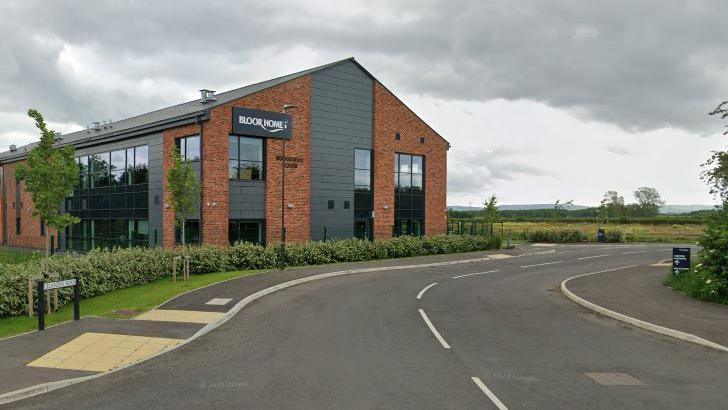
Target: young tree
[(715, 174), (184, 189), (648, 201), (49, 176), (613, 204), (490, 209)]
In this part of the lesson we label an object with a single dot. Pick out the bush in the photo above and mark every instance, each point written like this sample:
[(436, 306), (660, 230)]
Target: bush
[(549, 236), (614, 236), (102, 271), (712, 271)]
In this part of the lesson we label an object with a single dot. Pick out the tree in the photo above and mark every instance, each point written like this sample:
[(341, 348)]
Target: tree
[(722, 111), (648, 201), (613, 204), (490, 208), (184, 189), (602, 214), (49, 175), (715, 174), (559, 207)]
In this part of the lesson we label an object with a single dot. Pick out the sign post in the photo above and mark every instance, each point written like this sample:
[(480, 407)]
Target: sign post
[(44, 286), (680, 260)]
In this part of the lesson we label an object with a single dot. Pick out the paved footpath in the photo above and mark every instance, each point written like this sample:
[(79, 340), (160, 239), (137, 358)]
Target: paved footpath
[(94, 345), (639, 292)]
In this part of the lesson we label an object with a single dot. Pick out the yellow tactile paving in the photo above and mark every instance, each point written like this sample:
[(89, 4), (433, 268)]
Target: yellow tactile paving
[(188, 316), (101, 352)]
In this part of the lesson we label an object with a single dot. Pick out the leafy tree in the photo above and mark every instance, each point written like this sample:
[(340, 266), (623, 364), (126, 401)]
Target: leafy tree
[(648, 201), (722, 111), (613, 204), (49, 176), (715, 174), (184, 189), (602, 215), (490, 208)]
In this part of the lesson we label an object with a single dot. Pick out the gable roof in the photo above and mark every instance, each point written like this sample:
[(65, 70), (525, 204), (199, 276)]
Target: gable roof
[(180, 114)]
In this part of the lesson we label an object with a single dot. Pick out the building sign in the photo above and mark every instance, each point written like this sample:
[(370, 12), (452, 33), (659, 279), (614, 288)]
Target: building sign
[(59, 284), (680, 260), (291, 162), (259, 123)]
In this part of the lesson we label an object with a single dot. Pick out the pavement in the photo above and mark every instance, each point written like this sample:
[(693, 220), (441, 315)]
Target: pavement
[(484, 332), (639, 293)]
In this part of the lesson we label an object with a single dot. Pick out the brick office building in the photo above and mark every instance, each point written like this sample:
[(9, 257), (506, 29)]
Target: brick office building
[(358, 162)]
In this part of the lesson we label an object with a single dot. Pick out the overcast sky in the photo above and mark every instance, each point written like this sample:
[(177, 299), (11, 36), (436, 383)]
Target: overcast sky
[(540, 100)]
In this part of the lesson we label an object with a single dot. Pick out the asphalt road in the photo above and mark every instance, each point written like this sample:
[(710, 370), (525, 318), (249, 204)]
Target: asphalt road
[(501, 336)]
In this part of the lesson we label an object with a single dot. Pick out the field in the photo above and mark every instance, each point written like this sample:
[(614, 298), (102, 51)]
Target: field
[(633, 232)]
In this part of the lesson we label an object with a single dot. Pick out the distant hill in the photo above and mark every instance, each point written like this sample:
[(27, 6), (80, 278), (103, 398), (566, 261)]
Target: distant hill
[(667, 209), (525, 207)]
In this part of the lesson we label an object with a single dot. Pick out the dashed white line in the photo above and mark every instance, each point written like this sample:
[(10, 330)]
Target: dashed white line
[(632, 253), (499, 404), (476, 273), (592, 257), (434, 331), (541, 264), (422, 292)]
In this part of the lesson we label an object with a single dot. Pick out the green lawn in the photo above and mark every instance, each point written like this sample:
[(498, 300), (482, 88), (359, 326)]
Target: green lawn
[(138, 298)]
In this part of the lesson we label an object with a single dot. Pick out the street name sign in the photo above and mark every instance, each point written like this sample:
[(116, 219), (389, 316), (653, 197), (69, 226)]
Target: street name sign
[(59, 284)]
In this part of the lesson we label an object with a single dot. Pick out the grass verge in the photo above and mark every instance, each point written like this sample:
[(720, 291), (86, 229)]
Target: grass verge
[(690, 284), (134, 300)]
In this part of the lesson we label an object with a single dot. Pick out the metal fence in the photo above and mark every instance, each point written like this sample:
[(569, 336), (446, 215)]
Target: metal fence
[(472, 227)]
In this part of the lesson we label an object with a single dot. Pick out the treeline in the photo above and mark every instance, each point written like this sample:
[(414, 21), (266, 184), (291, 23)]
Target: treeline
[(582, 215)]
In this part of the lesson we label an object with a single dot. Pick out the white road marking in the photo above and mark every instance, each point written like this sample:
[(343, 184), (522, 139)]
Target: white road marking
[(632, 253), (476, 273), (422, 292), (218, 301), (541, 264), (592, 257), (489, 393), (434, 331)]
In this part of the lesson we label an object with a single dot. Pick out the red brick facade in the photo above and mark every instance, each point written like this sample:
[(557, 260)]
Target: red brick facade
[(214, 159), (29, 236), (391, 116)]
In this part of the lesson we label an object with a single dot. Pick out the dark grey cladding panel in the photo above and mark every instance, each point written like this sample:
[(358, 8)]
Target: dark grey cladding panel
[(341, 120), (156, 154), (247, 199)]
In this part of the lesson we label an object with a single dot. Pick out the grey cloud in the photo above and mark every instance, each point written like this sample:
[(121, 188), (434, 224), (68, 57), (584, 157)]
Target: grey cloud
[(639, 65)]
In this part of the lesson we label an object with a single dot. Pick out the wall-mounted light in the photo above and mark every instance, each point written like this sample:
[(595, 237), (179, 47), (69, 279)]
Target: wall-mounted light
[(166, 204), (289, 206), (385, 206)]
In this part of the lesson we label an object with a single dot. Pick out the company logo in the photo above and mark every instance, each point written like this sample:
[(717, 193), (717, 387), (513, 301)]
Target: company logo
[(266, 124)]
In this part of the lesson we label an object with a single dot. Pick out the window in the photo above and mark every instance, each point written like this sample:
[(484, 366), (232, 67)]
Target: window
[(42, 228), (363, 198), (397, 136), (17, 226), (192, 232), (245, 160), (189, 148), (246, 231), (409, 194), (141, 165), (347, 204), (331, 204)]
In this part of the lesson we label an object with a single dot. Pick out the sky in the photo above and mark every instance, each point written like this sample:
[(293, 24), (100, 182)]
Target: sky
[(539, 100)]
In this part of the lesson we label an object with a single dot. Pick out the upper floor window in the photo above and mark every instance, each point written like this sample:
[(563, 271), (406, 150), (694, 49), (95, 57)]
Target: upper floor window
[(362, 169), (408, 172), (120, 167), (245, 158), (189, 147)]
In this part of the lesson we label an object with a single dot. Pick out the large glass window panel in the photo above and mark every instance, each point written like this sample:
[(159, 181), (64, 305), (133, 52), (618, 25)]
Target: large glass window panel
[(417, 181), (189, 148), (233, 147), (250, 170), (362, 159), (233, 169), (141, 163), (404, 163), (362, 179), (251, 149), (118, 160), (416, 164)]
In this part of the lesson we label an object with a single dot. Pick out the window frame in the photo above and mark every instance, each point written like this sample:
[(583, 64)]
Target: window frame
[(240, 161), (182, 144)]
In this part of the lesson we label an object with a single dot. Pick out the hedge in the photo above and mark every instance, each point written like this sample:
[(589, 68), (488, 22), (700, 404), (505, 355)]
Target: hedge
[(102, 271), (568, 236)]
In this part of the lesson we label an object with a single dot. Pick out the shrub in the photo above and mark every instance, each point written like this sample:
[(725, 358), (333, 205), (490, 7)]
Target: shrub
[(614, 236), (102, 271), (549, 236), (712, 271)]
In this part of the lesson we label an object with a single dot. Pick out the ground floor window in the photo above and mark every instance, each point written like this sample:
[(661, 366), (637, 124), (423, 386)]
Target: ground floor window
[(240, 230), (107, 233), (192, 233), (413, 227)]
